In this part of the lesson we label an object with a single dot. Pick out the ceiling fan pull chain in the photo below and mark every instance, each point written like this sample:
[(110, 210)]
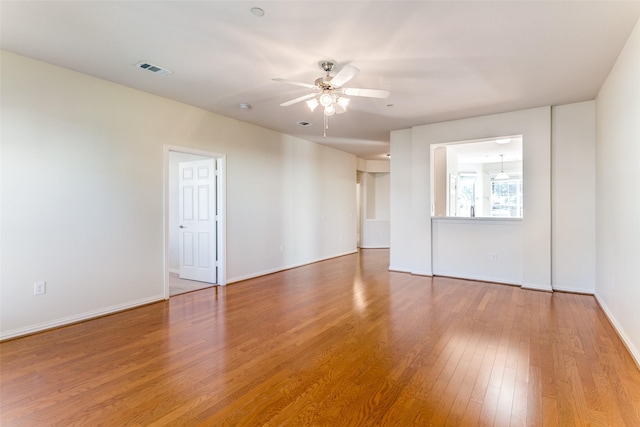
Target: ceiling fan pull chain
[(326, 126)]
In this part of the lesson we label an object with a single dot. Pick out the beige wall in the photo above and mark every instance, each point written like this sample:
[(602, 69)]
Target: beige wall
[(82, 194)]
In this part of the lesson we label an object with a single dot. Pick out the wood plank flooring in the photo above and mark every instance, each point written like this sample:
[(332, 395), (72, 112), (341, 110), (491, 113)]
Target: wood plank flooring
[(179, 286), (338, 343)]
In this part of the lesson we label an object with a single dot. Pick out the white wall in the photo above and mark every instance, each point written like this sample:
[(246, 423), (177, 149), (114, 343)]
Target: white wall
[(410, 152), (375, 212), (368, 182), (376, 204), (488, 249), (439, 181), (573, 197), (82, 194), (617, 188), (383, 205), (400, 231)]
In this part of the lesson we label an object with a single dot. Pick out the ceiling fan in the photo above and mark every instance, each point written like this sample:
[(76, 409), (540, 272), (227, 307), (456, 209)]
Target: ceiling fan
[(329, 93)]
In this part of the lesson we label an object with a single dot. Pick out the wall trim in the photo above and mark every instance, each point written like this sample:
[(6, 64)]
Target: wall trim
[(66, 321), (399, 270), (633, 352), (573, 290), (479, 279), (532, 287), (422, 273), (284, 268), (374, 247)]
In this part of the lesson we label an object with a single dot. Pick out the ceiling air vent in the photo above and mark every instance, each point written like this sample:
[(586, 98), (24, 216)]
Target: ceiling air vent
[(153, 68)]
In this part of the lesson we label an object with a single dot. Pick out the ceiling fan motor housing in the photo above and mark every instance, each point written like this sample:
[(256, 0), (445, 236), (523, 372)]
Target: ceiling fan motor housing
[(324, 83)]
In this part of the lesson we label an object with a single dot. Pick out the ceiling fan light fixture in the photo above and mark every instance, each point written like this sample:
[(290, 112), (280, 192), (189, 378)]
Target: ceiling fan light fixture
[(328, 90), (325, 99), (343, 102), (312, 104), (329, 110)]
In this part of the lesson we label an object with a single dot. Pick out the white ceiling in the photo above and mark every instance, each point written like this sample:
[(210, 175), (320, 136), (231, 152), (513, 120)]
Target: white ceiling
[(440, 60), (487, 151)]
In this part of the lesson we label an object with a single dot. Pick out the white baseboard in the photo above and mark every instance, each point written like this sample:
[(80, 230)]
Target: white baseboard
[(5, 335), (287, 267), (174, 270), (537, 287), (374, 247), (399, 270), (422, 273), (573, 290), (634, 352), (479, 278)]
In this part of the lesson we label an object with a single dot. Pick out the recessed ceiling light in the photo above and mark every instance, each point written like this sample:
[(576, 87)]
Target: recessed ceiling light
[(244, 106), (257, 11)]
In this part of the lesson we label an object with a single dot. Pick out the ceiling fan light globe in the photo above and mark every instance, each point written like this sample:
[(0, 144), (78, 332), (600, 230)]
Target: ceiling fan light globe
[(343, 102), (329, 110), (312, 104), (326, 99)]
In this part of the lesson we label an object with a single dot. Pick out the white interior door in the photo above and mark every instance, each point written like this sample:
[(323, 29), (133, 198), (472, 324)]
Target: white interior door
[(197, 219)]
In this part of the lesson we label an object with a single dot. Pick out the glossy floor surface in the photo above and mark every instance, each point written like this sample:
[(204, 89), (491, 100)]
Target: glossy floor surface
[(179, 286), (337, 343)]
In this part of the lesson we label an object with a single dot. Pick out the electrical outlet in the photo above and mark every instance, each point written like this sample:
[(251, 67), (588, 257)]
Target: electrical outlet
[(40, 288), (494, 257)]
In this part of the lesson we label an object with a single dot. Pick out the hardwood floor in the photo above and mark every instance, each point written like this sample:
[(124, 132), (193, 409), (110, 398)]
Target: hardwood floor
[(179, 286), (341, 342)]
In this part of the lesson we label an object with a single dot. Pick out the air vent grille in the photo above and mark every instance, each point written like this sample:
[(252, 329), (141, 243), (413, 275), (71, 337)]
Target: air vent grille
[(153, 68)]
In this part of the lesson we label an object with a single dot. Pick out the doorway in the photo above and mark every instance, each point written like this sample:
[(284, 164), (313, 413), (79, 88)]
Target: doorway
[(194, 250)]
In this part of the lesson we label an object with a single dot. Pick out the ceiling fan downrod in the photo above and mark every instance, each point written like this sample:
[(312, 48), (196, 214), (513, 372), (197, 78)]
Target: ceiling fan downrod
[(327, 66)]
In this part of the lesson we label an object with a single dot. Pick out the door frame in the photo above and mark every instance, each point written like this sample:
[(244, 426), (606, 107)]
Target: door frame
[(221, 210)]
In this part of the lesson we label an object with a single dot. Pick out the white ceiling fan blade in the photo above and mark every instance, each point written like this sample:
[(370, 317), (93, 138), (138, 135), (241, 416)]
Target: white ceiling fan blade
[(369, 93), (300, 99), (344, 75), (307, 85)]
